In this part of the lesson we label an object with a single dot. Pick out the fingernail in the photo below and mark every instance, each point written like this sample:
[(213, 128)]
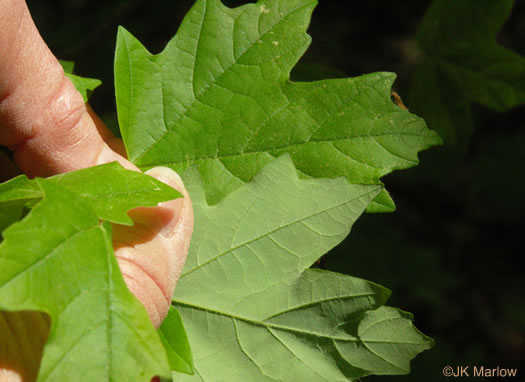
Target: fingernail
[(168, 176)]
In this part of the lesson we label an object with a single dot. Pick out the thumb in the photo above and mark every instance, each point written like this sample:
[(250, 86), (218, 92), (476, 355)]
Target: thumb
[(151, 253), (43, 119)]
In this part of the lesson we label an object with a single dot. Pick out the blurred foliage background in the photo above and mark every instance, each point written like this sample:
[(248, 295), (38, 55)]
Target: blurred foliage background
[(451, 252)]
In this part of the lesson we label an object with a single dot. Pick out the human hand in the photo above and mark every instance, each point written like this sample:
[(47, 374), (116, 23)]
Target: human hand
[(50, 130)]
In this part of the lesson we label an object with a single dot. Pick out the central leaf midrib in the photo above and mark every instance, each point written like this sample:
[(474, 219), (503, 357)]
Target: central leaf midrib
[(110, 257), (264, 324), (197, 98), (273, 150), (269, 326)]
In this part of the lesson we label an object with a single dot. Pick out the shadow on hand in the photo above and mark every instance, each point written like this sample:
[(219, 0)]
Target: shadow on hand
[(23, 335)]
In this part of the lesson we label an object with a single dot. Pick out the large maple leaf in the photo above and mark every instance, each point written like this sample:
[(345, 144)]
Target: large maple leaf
[(219, 96), (217, 105), (253, 309)]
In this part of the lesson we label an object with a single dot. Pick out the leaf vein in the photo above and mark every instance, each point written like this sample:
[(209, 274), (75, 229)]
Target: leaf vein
[(197, 96), (299, 220)]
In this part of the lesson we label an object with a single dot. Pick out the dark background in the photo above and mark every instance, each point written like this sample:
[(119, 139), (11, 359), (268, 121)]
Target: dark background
[(450, 253)]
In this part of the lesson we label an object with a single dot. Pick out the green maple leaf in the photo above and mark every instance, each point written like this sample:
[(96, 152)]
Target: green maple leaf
[(252, 308), (218, 103), (463, 64), (59, 260), (219, 96)]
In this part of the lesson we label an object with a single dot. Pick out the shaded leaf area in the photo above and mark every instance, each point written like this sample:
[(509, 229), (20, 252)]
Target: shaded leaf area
[(59, 260), (219, 96), (250, 302), (463, 64), (10, 213)]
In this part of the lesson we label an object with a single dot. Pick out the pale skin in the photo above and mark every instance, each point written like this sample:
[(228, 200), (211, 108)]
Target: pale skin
[(49, 129)]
